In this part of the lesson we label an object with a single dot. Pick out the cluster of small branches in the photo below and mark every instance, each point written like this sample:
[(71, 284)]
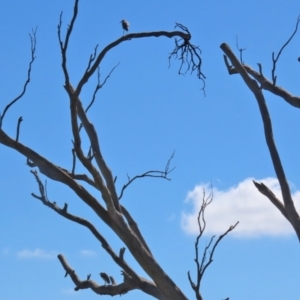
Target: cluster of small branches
[(188, 54)]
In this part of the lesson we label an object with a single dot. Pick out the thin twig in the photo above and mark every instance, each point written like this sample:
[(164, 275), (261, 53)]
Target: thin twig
[(32, 36), (274, 60), (155, 174), (18, 129), (99, 85), (240, 50), (64, 45)]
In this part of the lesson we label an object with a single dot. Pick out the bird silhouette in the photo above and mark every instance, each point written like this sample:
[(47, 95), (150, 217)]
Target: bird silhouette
[(105, 277), (112, 280), (125, 25)]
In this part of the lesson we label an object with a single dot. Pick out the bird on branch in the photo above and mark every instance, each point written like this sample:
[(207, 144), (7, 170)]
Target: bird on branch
[(125, 25), (105, 277), (112, 280)]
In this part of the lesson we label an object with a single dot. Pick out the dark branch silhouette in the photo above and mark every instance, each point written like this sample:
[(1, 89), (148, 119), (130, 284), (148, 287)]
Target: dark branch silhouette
[(32, 36), (288, 209), (275, 59), (156, 174), (241, 50), (202, 265), (18, 128)]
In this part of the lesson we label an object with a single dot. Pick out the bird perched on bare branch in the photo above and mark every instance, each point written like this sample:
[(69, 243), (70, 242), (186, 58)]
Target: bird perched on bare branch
[(112, 280), (105, 277), (125, 25)]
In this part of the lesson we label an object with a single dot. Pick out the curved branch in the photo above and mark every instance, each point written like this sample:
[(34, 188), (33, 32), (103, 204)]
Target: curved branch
[(155, 174), (184, 35)]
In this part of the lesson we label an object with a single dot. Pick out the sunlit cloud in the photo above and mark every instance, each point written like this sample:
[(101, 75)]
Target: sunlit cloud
[(87, 252), (36, 253), (243, 203)]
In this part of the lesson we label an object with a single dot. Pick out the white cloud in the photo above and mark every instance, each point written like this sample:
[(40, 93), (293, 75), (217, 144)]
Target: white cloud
[(87, 252), (36, 253), (243, 203)]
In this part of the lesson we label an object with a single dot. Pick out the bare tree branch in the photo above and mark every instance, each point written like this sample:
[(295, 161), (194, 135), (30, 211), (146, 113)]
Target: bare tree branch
[(18, 129), (134, 227), (97, 88), (241, 50), (252, 84), (112, 290), (155, 174), (32, 36), (64, 45), (99, 85), (192, 52), (203, 265), (268, 193), (139, 282), (274, 60), (265, 83), (188, 54)]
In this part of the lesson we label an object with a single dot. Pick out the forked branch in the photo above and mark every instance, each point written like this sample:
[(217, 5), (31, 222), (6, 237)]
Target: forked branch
[(156, 174), (275, 59), (202, 265), (264, 83)]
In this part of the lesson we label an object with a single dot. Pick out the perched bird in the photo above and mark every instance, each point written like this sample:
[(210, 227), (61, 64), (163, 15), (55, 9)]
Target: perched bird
[(125, 25), (105, 277), (112, 280)]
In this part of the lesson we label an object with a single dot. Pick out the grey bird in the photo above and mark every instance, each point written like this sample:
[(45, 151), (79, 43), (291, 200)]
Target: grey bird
[(105, 277), (125, 25)]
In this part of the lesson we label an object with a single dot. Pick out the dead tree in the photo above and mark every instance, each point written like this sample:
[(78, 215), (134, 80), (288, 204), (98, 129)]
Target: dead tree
[(257, 83), (98, 175)]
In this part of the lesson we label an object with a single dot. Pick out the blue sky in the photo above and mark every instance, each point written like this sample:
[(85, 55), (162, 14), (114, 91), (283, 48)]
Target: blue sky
[(145, 112)]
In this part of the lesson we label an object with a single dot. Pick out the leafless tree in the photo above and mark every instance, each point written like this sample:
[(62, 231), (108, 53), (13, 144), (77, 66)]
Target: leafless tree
[(257, 83), (99, 176)]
